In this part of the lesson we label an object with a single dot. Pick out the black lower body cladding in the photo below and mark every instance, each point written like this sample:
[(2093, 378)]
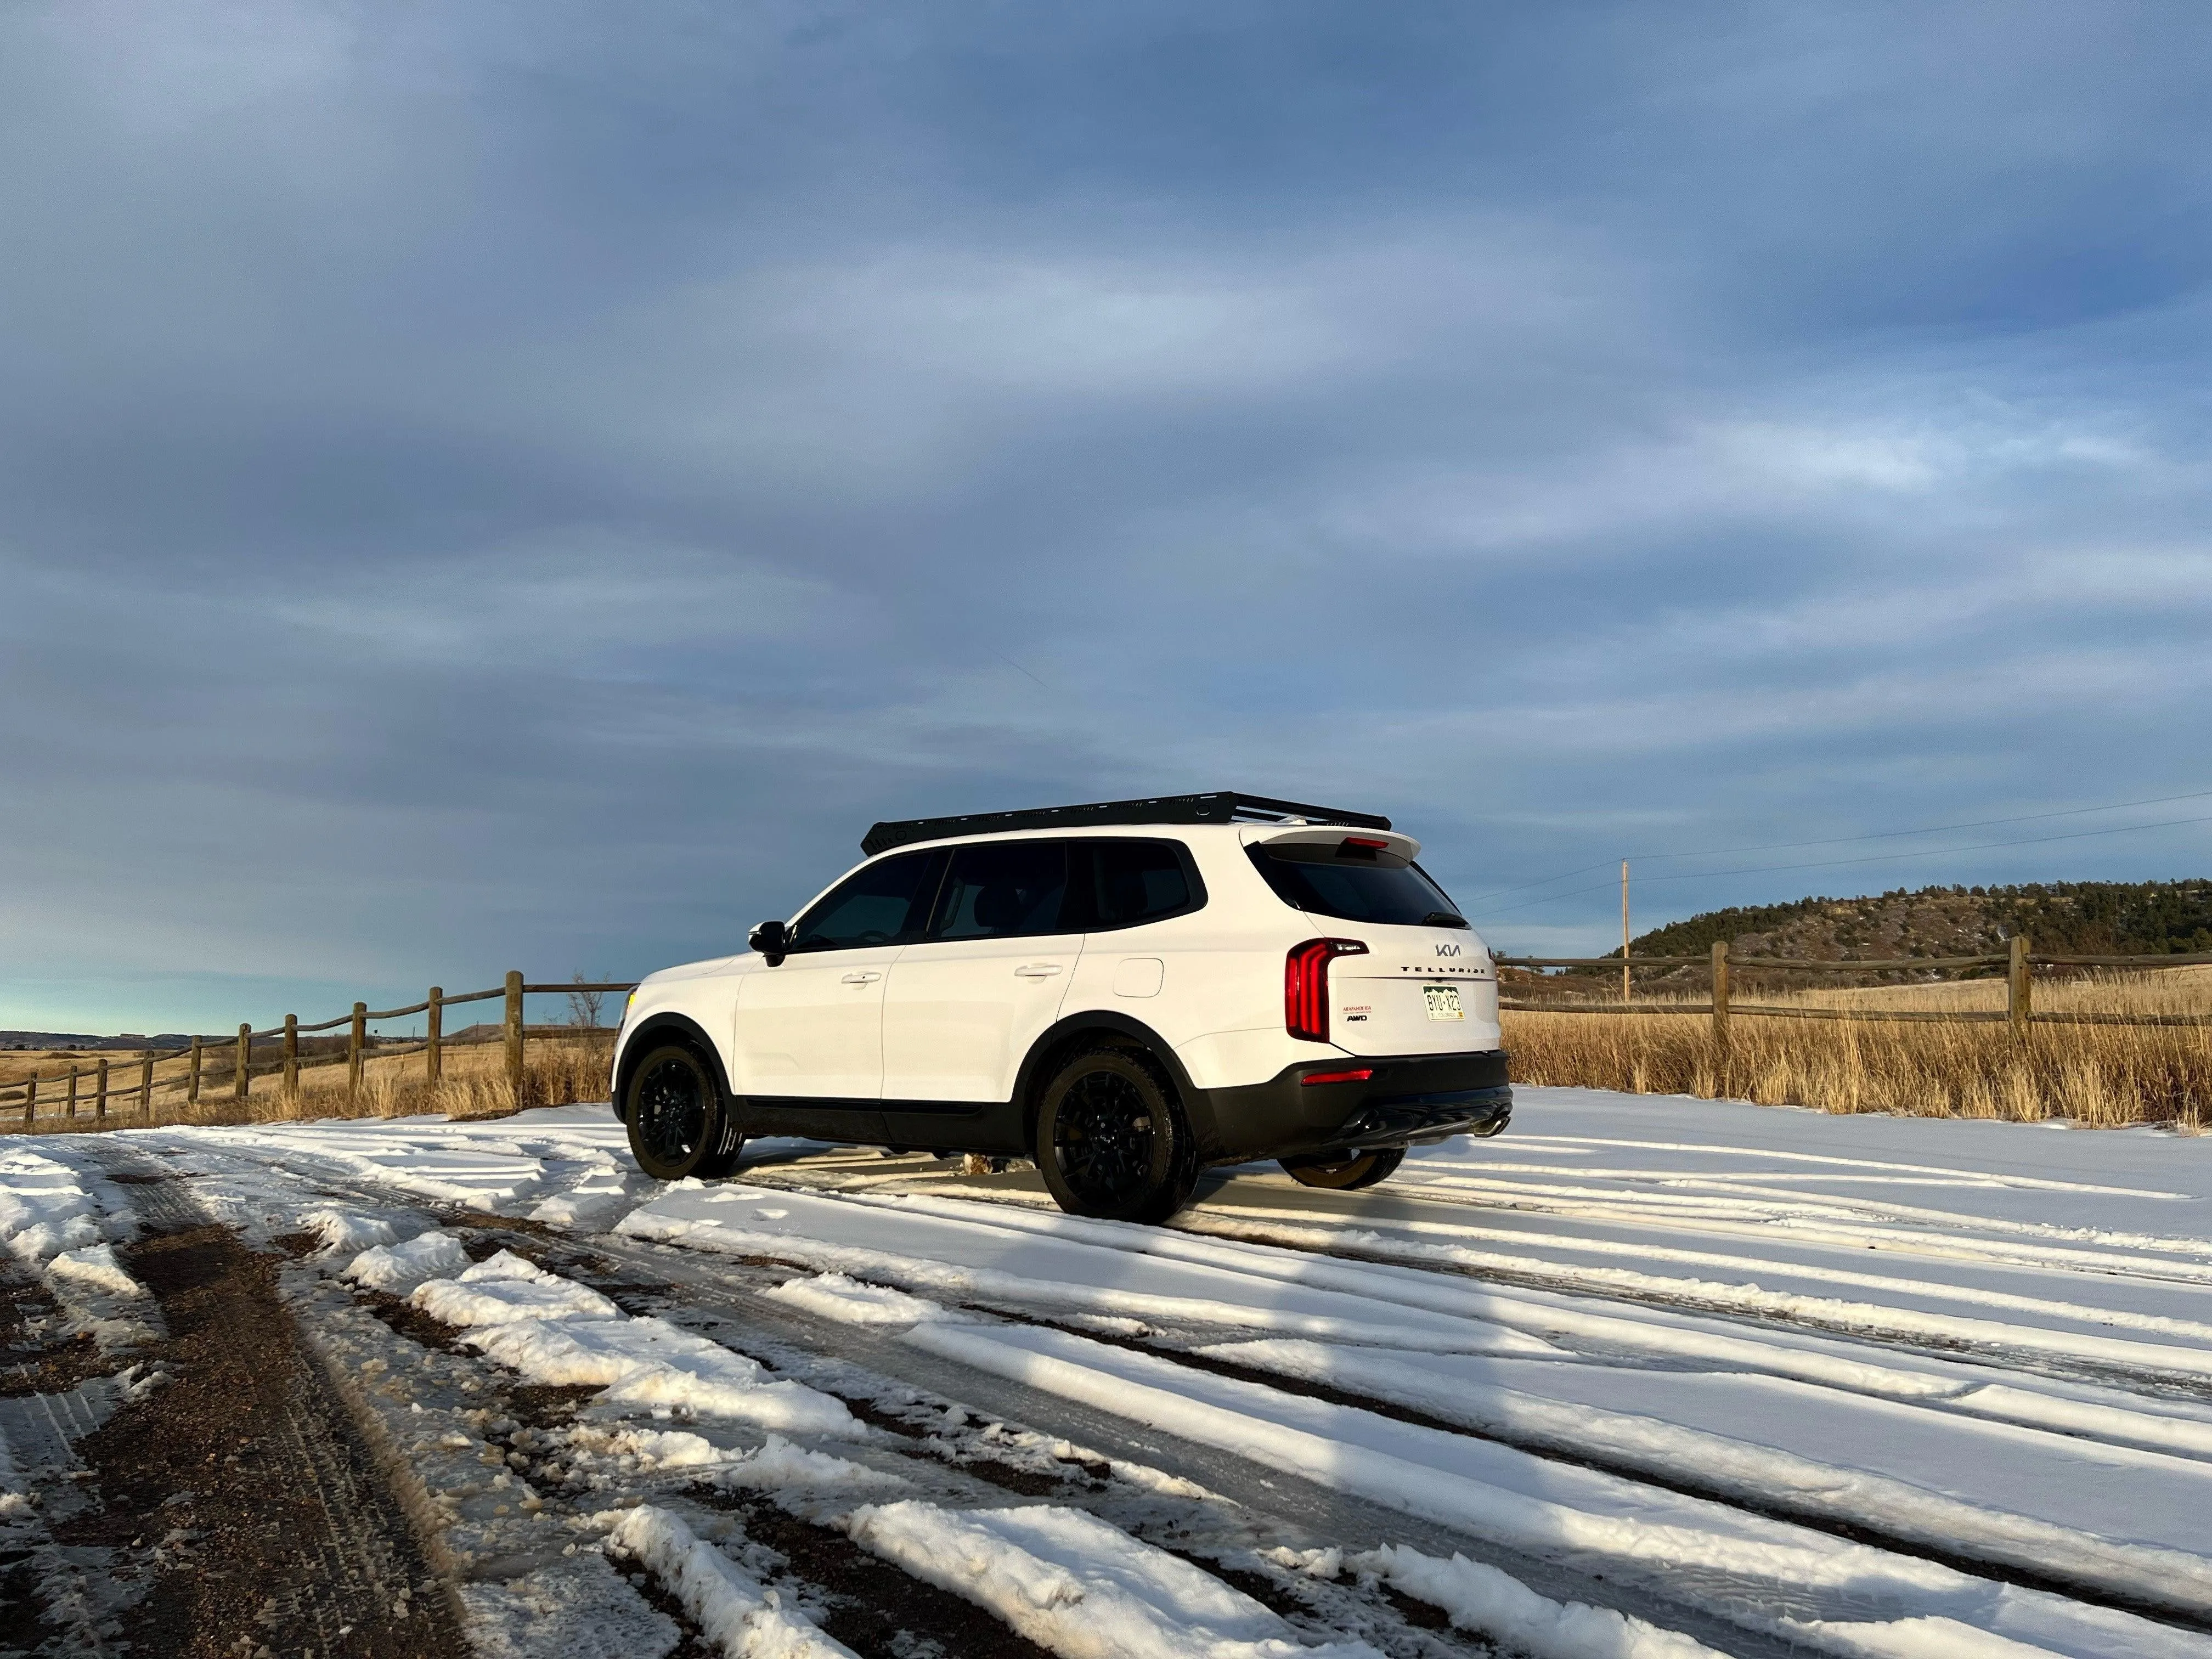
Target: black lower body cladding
[(1409, 1097)]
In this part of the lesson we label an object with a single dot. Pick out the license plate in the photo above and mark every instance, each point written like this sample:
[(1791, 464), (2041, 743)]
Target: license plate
[(1444, 1002)]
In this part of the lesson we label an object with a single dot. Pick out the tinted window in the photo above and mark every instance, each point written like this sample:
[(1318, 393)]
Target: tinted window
[(874, 905), (1331, 881), (1002, 888), (1134, 881)]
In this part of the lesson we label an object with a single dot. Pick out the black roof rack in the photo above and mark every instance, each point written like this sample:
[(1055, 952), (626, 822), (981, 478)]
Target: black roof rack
[(1223, 807)]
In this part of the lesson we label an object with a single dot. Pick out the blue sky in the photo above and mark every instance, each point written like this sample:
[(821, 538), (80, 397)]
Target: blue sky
[(495, 485)]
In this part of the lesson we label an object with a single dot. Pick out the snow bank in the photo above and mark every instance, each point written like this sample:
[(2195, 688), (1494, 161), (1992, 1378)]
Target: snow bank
[(553, 1330), (1495, 1604), (398, 1268), (857, 1303), (1913, 1639), (649, 1362), (347, 1229), (45, 1208), (507, 1289), (735, 1612), (777, 1465), (1071, 1583), (595, 1196), (94, 1269)]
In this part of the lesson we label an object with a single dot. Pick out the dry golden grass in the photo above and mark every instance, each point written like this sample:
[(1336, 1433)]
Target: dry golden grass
[(556, 1072), (2100, 1076)]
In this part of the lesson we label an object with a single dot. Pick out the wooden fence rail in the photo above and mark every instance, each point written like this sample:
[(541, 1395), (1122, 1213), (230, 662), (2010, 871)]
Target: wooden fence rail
[(30, 1093), (2019, 963)]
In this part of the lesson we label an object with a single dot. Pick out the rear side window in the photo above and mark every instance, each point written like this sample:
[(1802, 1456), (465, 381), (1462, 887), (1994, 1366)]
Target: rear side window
[(874, 905), (1343, 880), (1002, 890), (1128, 882)]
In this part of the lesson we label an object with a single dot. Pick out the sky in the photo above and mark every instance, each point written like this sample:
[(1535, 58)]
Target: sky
[(501, 485)]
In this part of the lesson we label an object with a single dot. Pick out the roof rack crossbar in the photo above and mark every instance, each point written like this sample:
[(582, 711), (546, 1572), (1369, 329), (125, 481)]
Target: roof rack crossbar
[(1222, 806)]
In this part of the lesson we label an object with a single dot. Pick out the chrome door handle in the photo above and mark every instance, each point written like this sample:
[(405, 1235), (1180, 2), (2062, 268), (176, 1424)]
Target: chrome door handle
[(860, 978), (1038, 970)]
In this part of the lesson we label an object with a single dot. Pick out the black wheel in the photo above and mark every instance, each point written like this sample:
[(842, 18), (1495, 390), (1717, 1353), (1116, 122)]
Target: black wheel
[(679, 1125), (1112, 1141), (1343, 1173)]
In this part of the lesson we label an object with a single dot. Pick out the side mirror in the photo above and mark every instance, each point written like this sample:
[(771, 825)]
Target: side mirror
[(770, 938)]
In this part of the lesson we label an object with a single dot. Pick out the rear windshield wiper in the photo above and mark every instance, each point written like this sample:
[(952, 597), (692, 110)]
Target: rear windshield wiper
[(1442, 919)]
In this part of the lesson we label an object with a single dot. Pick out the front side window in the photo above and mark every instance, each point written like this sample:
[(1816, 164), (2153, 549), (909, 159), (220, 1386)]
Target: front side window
[(874, 905), (1133, 881), (1002, 889), (1354, 883)]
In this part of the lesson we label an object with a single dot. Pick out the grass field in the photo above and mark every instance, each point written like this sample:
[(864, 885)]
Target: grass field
[(558, 1070), (2095, 1075)]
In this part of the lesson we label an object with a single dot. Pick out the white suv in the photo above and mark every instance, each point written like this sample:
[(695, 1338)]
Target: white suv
[(1125, 992)]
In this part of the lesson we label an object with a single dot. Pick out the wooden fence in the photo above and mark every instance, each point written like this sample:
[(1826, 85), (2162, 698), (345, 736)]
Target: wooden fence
[(2020, 963), (96, 1088)]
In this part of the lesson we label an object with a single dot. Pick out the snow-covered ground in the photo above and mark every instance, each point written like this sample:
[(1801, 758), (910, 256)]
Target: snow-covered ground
[(1645, 1375)]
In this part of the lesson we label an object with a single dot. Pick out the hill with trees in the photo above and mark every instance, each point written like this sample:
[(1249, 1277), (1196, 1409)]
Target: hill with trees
[(2086, 918)]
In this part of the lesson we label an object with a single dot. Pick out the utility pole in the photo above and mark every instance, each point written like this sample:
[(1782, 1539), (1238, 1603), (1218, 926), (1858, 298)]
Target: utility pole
[(1624, 930)]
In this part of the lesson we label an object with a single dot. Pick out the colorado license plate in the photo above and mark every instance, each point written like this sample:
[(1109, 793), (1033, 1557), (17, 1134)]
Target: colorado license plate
[(1444, 1002)]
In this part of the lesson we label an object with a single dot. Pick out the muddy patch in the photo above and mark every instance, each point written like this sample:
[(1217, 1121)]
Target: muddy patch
[(241, 1489)]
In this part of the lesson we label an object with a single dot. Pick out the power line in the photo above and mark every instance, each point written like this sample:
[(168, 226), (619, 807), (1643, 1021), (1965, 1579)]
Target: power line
[(1878, 858), (1838, 841)]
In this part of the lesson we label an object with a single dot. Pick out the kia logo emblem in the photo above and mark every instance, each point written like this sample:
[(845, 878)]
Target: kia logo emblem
[(1448, 950)]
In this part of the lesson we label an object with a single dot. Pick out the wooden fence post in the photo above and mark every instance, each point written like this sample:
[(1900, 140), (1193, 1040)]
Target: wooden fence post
[(1721, 1014), (291, 1057), (434, 1027), (357, 1039), (2017, 991), (239, 1083), (31, 1101), (72, 1103), (146, 1085), (514, 1033), (192, 1085), (100, 1098)]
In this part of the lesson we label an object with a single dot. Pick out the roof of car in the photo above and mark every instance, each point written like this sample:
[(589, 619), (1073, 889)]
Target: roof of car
[(1222, 807)]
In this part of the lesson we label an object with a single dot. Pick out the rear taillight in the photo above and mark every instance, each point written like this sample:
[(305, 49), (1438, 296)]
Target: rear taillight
[(1305, 985)]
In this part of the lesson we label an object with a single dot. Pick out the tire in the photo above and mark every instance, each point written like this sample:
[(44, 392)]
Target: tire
[(1345, 1174), (1112, 1141), (680, 1127)]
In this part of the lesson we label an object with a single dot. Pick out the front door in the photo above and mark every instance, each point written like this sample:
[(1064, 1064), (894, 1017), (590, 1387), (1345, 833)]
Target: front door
[(968, 997), (810, 1029)]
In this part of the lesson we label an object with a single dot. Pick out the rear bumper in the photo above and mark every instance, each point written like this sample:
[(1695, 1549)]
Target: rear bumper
[(1409, 1098)]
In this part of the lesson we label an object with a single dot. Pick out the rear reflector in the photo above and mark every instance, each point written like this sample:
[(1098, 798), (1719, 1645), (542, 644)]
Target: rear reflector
[(1305, 985), (1359, 1076)]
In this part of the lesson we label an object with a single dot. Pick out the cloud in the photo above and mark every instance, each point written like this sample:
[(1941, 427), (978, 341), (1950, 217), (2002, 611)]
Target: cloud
[(485, 487)]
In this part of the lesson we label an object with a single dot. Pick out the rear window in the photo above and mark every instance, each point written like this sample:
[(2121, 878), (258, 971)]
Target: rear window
[(1354, 883), (1128, 882)]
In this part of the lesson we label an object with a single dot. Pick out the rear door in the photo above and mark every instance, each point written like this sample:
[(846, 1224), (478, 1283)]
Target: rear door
[(988, 976)]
